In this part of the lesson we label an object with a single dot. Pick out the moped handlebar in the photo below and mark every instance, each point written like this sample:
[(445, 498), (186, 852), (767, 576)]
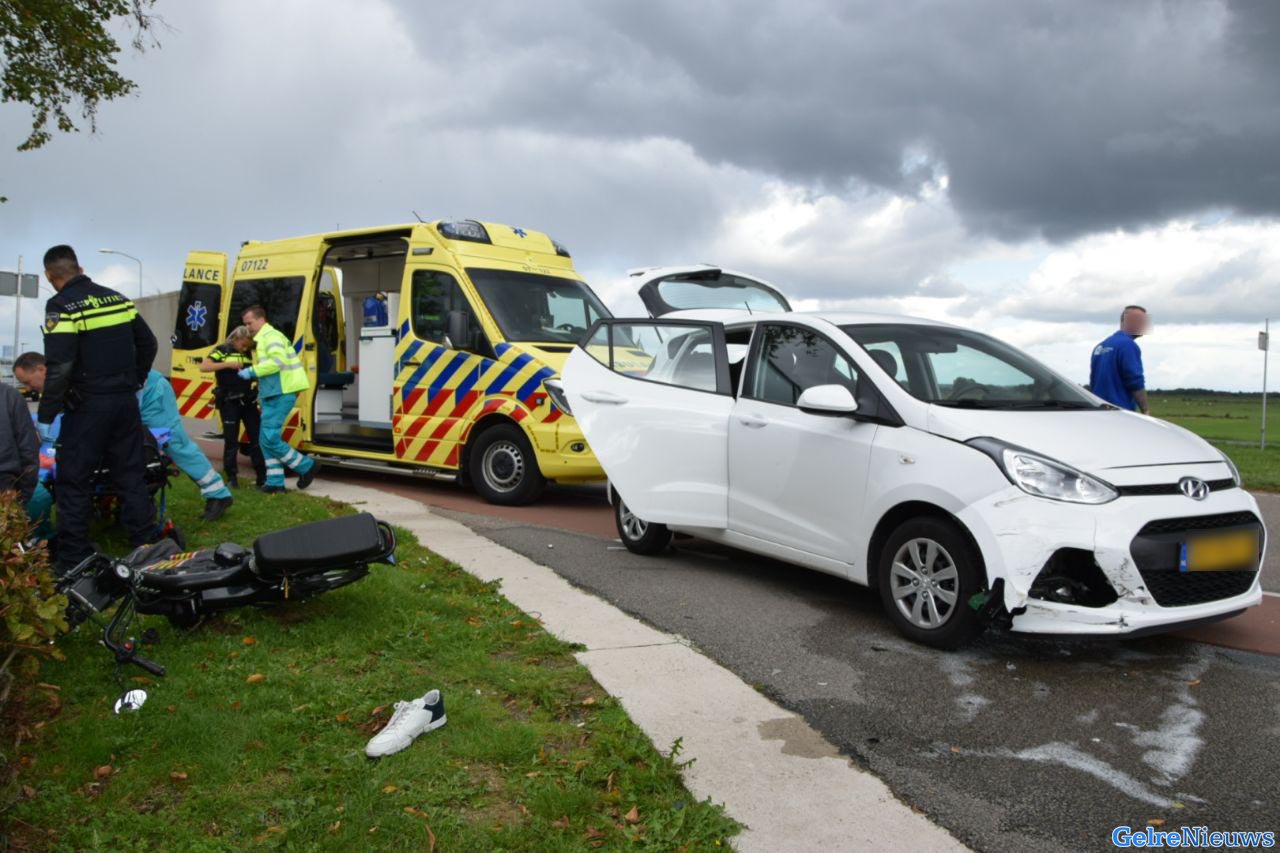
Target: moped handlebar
[(149, 665)]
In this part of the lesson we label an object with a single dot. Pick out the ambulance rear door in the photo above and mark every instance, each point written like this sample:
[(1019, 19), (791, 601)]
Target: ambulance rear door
[(283, 278), (199, 326)]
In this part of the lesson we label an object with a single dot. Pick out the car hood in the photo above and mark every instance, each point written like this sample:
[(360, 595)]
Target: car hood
[(1094, 441)]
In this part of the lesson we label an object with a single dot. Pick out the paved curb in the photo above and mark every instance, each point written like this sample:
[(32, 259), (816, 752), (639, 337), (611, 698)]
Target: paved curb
[(774, 774)]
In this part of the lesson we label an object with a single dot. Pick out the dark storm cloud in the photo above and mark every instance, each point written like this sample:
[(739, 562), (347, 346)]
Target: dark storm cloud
[(1050, 118)]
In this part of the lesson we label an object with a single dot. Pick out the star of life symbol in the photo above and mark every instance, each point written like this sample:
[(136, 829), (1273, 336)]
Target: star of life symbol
[(197, 314), (520, 232)]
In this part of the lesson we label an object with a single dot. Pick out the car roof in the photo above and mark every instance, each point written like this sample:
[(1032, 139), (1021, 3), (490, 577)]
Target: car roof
[(735, 316)]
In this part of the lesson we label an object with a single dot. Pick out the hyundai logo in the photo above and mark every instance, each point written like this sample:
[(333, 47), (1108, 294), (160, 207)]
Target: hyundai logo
[(1194, 488)]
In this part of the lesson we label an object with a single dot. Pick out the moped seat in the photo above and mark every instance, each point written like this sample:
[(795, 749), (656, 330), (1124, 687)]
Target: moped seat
[(320, 546)]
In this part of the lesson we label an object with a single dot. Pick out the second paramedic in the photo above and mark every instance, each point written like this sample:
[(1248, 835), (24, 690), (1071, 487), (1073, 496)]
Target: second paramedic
[(281, 378), (159, 407), (237, 403)]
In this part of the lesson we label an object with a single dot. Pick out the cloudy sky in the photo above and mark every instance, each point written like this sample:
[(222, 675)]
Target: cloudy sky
[(1023, 168)]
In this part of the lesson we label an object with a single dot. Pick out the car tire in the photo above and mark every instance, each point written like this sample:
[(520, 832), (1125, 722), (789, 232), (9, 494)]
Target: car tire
[(927, 599), (503, 468), (639, 536)]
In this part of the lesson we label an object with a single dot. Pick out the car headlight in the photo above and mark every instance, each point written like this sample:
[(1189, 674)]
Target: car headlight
[(1044, 477), (555, 390), (1235, 472)]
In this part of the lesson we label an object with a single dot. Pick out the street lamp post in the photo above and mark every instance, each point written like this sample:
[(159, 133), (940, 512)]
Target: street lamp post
[(132, 258)]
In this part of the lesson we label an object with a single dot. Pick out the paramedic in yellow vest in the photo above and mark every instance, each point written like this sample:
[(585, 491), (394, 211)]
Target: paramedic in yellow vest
[(281, 377)]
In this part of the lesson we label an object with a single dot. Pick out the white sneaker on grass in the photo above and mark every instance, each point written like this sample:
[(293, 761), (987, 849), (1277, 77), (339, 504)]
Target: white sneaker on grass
[(410, 719)]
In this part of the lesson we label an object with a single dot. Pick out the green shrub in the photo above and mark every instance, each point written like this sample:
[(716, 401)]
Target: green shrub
[(31, 614)]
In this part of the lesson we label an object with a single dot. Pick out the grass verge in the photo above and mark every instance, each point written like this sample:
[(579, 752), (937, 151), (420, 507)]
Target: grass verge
[(257, 734), (1233, 422)]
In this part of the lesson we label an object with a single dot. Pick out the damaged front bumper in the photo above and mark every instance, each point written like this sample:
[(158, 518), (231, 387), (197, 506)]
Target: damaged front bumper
[(1020, 535)]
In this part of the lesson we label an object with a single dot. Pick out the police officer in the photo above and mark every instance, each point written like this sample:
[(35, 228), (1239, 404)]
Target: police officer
[(281, 378), (97, 352), (237, 403)]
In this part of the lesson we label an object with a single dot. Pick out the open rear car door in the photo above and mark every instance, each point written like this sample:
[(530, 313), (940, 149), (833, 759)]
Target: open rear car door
[(653, 399), (710, 287)]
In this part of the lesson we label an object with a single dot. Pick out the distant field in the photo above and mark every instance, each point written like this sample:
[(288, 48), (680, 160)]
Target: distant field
[(1234, 423)]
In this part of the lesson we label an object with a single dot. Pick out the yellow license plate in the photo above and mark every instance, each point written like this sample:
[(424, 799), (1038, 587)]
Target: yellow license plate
[(1223, 552)]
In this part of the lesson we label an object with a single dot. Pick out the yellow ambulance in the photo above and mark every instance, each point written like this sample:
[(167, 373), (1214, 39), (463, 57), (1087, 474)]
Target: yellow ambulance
[(431, 348)]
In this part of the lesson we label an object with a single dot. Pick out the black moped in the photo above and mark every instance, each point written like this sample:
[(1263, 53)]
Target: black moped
[(184, 587)]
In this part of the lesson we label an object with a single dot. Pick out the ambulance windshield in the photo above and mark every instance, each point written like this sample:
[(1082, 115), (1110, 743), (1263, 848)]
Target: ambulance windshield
[(540, 308)]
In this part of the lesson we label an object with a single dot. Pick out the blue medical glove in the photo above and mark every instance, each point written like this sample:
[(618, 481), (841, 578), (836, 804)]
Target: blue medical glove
[(45, 431), (245, 373)]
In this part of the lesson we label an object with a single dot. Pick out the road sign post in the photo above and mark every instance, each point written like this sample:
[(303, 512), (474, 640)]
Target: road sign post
[(19, 286), (17, 310), (1264, 344)]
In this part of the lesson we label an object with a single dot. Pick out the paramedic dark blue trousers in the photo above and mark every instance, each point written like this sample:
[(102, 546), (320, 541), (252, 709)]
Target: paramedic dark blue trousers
[(103, 430)]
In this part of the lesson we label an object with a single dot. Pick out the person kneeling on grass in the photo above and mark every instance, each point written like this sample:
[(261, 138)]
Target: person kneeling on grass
[(281, 377), (159, 408), (20, 459)]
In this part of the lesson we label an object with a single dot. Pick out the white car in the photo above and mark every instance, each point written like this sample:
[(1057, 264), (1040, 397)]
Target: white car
[(965, 481)]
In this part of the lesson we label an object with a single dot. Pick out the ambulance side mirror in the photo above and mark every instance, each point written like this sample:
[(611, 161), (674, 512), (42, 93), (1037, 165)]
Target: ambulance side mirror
[(460, 331)]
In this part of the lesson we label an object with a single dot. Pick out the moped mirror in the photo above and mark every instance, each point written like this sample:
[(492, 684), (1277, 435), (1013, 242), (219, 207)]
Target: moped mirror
[(131, 700)]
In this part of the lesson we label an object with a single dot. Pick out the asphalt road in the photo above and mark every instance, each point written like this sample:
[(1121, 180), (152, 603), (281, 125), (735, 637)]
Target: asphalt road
[(1014, 744)]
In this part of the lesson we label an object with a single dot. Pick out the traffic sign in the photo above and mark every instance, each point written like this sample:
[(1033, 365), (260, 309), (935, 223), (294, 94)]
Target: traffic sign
[(9, 284)]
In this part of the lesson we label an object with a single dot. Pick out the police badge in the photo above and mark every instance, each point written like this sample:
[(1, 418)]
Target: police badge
[(51, 321)]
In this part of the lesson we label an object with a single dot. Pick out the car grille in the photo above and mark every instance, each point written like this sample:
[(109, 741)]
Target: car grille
[(1180, 589), (1171, 488), (1200, 522), (1157, 548)]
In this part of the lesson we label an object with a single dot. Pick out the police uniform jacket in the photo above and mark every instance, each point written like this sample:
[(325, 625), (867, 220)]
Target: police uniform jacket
[(94, 343)]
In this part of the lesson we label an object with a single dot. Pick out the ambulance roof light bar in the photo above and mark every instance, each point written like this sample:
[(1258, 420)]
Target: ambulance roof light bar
[(464, 229)]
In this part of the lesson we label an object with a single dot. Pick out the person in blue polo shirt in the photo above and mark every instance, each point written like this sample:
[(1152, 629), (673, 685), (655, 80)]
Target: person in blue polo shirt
[(1115, 373)]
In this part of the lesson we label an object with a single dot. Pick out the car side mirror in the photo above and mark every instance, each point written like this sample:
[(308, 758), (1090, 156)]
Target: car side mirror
[(827, 400)]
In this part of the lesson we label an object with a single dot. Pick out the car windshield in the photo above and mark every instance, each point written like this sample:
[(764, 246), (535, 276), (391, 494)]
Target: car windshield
[(965, 370), (543, 308)]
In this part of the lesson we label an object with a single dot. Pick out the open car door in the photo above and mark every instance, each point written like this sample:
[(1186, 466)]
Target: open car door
[(199, 326), (710, 287), (653, 399)]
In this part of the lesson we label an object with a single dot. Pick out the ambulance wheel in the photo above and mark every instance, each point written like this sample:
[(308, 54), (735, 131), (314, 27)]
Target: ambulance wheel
[(639, 536), (503, 468)]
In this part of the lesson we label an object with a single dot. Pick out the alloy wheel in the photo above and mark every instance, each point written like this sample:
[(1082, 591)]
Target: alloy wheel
[(633, 527), (924, 583)]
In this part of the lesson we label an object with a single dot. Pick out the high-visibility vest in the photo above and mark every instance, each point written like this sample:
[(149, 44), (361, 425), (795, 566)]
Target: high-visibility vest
[(278, 368)]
